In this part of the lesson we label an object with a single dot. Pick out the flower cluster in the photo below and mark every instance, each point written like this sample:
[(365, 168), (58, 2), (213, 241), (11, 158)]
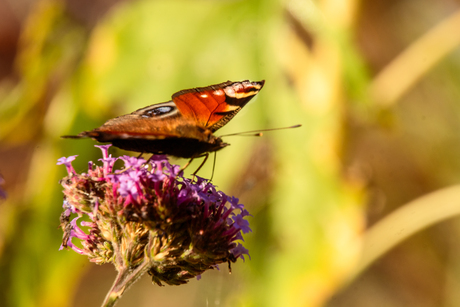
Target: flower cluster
[(149, 218)]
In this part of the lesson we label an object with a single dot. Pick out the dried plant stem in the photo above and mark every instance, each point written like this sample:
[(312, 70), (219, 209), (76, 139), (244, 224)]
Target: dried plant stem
[(125, 278), (413, 63), (407, 220)]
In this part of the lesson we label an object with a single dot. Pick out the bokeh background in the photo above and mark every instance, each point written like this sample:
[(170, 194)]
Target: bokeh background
[(359, 207)]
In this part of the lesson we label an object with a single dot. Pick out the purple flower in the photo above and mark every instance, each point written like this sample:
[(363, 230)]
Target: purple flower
[(132, 162), (149, 218), (68, 163), (241, 223), (240, 250), (105, 150)]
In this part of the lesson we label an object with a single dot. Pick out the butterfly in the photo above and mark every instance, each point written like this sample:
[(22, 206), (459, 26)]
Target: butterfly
[(182, 127)]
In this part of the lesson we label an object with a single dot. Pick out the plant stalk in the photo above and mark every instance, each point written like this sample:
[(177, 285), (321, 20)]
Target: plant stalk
[(125, 278)]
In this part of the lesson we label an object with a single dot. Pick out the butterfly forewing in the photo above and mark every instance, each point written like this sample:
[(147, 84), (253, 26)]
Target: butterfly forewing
[(213, 106)]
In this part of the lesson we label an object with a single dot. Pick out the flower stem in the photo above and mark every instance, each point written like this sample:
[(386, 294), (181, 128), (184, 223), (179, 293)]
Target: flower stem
[(125, 278)]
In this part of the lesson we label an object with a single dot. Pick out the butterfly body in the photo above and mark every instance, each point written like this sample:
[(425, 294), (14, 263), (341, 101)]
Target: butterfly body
[(182, 127)]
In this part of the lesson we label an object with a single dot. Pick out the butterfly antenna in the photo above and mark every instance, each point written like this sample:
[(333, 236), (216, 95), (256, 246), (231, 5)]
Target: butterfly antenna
[(259, 132)]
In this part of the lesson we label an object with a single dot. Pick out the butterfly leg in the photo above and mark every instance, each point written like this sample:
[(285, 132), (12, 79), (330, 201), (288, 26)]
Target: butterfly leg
[(148, 160), (187, 164), (213, 165), (206, 155)]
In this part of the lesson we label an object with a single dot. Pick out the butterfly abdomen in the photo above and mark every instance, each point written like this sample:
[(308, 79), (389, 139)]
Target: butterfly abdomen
[(178, 147)]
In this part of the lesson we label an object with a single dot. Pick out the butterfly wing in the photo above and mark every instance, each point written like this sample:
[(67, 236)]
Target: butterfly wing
[(213, 106), (158, 129), (158, 121), (182, 127)]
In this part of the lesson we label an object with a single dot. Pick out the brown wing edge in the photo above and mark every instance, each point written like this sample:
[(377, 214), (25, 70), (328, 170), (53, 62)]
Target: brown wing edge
[(206, 88), (240, 102), (217, 87)]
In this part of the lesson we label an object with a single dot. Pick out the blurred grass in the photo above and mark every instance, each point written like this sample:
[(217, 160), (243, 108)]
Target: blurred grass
[(410, 66), (406, 221), (309, 197)]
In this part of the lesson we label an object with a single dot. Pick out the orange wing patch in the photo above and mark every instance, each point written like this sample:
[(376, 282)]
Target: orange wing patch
[(203, 106), (213, 106)]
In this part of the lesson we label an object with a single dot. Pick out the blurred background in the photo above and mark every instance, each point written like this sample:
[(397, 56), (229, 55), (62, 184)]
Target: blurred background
[(351, 209)]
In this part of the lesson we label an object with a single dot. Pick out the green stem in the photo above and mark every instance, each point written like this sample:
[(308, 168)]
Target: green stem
[(124, 280)]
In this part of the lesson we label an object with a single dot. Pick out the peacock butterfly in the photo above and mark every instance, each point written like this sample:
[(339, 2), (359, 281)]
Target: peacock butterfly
[(182, 127)]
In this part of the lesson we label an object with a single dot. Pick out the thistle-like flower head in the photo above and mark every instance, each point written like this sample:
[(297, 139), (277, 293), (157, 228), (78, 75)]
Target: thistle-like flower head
[(148, 215)]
